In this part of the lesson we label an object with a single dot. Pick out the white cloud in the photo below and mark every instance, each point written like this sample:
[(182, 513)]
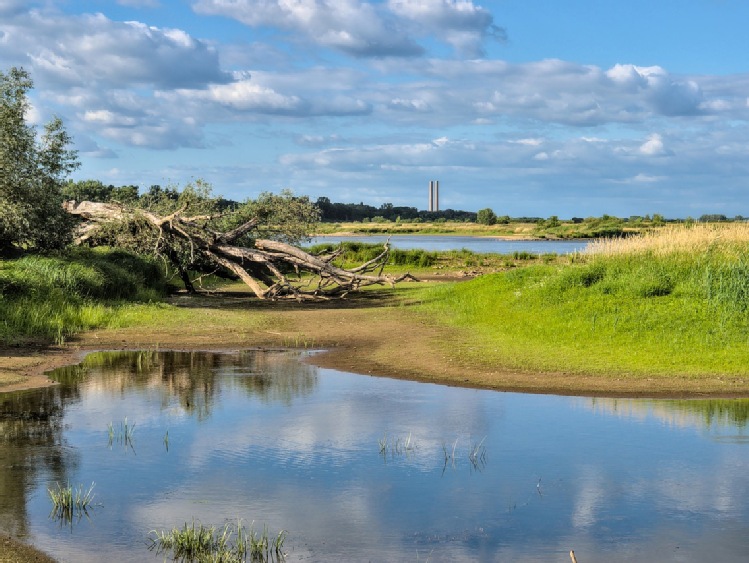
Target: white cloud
[(459, 23), (653, 146), (357, 28), (94, 50)]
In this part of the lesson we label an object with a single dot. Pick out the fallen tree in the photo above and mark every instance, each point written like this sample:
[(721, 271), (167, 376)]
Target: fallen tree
[(272, 269)]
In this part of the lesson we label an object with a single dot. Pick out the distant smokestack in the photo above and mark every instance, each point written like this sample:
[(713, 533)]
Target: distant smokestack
[(434, 195)]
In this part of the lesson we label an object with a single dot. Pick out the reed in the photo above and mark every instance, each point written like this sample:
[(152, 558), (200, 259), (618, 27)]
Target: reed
[(230, 544), (68, 502), (401, 446), (122, 434)]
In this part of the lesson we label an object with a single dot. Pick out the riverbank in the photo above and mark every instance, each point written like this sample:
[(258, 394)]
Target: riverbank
[(382, 332)]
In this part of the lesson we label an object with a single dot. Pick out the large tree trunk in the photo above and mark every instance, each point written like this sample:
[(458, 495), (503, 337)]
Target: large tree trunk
[(264, 267)]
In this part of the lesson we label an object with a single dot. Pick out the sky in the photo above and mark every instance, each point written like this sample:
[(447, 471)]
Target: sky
[(528, 107)]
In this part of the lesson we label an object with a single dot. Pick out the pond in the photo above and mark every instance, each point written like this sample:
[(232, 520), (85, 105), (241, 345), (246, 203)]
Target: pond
[(361, 468), (479, 245)]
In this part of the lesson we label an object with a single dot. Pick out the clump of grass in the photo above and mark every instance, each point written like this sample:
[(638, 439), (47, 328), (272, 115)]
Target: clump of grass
[(397, 447), (68, 502), (229, 544), (121, 434), (477, 455)]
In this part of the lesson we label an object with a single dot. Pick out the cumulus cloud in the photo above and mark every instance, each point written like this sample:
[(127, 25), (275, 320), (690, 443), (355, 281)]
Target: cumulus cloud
[(668, 95), (459, 23), (654, 146), (369, 29), (357, 28), (93, 49)]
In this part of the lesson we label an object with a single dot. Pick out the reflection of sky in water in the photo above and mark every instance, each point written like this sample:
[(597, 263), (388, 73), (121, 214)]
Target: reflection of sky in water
[(479, 245), (298, 450)]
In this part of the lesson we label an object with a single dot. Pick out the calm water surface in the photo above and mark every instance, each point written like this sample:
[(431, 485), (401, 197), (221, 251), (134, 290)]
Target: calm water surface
[(263, 437), (474, 244)]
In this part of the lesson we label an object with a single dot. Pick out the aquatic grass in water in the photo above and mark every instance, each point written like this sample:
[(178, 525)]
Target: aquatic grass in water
[(401, 446), (68, 502), (230, 544), (123, 434)]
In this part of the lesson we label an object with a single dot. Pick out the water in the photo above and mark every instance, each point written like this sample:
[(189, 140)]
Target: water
[(481, 245), (359, 468)]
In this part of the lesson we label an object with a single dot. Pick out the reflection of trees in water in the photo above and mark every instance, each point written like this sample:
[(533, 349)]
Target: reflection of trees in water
[(194, 378), (31, 444), (275, 376), (31, 423), (681, 412)]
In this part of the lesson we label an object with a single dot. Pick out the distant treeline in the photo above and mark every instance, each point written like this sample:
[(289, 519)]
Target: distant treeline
[(330, 212), (349, 212)]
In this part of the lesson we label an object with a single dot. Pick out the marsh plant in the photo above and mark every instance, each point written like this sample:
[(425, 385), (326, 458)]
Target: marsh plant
[(68, 502), (476, 454), (123, 433), (398, 447), (230, 544)]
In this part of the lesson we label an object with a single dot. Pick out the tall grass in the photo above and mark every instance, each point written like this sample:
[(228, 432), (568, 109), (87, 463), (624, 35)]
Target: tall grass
[(230, 544), (354, 253), (68, 502), (52, 298), (674, 301)]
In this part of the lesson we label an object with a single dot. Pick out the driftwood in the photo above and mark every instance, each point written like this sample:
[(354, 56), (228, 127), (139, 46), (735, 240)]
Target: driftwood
[(264, 268)]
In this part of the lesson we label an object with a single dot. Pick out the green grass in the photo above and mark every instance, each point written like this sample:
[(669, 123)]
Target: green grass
[(68, 502), (639, 313), (48, 299), (230, 544)]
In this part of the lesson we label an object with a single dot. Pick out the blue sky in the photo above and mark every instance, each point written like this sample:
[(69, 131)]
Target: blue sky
[(530, 107)]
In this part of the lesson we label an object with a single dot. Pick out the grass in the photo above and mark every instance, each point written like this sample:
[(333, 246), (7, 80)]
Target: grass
[(670, 302), (49, 299), (122, 434), (68, 502), (229, 544), (399, 446)]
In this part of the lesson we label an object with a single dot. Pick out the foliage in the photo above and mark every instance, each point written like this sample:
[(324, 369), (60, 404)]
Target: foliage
[(94, 190), (52, 298), (31, 173), (336, 212), (486, 217), (360, 252), (283, 217)]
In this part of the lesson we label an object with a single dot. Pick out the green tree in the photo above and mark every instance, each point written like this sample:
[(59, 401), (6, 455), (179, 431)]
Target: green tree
[(486, 217), (32, 172)]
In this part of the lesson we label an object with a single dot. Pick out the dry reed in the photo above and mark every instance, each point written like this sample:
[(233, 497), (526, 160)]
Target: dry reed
[(676, 239)]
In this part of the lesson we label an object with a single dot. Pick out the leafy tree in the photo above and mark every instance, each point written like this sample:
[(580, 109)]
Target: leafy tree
[(486, 217), (32, 171)]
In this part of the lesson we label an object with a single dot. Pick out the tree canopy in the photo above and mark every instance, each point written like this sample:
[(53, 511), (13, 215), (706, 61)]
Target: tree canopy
[(32, 171)]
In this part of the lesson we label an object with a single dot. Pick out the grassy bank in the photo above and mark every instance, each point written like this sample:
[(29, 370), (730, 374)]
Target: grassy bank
[(48, 299), (552, 228), (674, 302)]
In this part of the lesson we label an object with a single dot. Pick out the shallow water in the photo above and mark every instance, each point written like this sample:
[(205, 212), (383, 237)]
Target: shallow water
[(479, 245), (262, 437)]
